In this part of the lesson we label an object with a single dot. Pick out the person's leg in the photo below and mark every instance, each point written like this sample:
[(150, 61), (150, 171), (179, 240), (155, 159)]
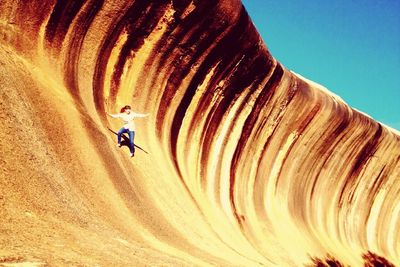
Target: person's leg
[(120, 132), (132, 141)]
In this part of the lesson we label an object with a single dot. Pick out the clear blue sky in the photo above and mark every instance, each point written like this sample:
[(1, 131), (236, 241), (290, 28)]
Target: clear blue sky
[(351, 47)]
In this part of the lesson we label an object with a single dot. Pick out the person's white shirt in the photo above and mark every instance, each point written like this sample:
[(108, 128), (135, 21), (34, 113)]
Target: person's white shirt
[(129, 119)]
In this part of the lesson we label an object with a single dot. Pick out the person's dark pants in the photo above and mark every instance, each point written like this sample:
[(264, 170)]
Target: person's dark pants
[(131, 138)]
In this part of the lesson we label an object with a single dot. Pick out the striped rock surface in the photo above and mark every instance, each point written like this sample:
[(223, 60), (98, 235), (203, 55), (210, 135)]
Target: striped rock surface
[(240, 163)]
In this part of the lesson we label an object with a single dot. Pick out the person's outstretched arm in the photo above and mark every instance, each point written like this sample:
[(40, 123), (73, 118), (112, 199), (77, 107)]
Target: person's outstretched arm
[(140, 115)]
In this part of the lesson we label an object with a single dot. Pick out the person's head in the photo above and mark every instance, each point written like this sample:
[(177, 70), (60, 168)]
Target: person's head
[(126, 109)]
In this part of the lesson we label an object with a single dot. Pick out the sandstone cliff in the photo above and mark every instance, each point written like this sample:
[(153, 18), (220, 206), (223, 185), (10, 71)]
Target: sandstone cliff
[(242, 162)]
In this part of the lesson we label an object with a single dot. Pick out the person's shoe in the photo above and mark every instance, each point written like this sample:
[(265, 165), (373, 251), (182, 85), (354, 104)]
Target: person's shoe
[(132, 155), (118, 145)]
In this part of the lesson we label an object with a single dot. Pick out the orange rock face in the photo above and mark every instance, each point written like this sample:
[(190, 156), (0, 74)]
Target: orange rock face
[(240, 163)]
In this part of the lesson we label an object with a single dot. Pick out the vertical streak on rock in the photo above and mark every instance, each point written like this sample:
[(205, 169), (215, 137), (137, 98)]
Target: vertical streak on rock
[(78, 34), (141, 20), (221, 57), (60, 20), (108, 43), (184, 46), (247, 128), (362, 156)]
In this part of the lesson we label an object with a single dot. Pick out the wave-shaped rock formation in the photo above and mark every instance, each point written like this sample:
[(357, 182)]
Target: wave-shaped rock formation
[(243, 163)]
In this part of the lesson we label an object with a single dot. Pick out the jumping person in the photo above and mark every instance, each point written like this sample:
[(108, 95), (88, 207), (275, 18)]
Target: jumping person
[(129, 125)]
